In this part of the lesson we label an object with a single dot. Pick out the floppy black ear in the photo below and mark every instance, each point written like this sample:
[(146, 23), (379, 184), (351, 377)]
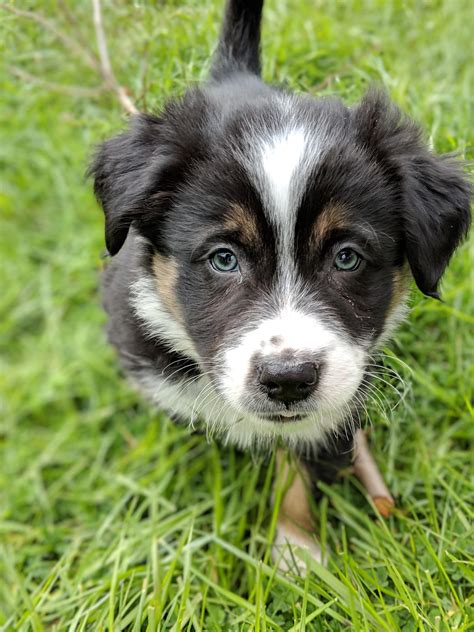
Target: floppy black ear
[(434, 193), (127, 170), (436, 216)]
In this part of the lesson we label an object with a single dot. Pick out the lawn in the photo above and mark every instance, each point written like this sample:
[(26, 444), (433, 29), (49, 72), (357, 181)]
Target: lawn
[(112, 518)]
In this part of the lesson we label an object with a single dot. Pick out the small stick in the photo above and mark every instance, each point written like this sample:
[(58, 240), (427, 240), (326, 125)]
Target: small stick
[(105, 65), (47, 25), (101, 65), (55, 87), (367, 471)]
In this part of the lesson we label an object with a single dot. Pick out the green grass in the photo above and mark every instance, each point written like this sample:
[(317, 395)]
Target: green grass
[(112, 518)]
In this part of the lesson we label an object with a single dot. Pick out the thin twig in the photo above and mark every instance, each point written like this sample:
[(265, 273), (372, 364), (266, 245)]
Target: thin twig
[(69, 42), (105, 65), (55, 87), (100, 65)]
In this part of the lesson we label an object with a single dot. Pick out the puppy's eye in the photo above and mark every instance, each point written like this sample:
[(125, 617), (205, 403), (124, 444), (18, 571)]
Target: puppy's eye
[(224, 261), (347, 260)]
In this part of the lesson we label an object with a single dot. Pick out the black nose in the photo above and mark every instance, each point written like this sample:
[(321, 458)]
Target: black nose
[(288, 382)]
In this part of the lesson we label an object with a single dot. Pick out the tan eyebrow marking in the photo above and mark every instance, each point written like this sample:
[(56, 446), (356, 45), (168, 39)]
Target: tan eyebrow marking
[(165, 271), (332, 216), (241, 219)]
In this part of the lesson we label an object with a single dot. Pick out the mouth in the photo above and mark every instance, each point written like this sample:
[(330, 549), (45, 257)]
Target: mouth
[(282, 417)]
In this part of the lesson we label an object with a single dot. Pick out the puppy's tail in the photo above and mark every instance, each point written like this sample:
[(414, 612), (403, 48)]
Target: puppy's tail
[(239, 43)]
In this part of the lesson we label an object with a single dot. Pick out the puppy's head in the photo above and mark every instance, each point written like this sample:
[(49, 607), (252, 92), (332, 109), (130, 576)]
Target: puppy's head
[(282, 230)]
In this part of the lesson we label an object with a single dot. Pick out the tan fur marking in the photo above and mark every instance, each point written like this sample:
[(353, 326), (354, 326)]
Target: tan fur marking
[(295, 508), (242, 220), (165, 270), (332, 216), (401, 277)]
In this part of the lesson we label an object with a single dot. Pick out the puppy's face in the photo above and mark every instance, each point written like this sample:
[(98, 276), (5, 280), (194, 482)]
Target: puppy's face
[(279, 237)]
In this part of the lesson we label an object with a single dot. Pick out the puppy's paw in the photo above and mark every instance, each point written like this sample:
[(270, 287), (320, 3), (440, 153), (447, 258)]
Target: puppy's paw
[(294, 548)]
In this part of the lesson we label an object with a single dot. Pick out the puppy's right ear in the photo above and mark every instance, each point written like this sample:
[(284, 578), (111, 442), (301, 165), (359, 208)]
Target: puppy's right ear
[(127, 170)]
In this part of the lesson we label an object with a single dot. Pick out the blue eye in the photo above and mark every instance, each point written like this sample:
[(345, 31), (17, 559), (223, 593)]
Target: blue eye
[(224, 261), (347, 260)]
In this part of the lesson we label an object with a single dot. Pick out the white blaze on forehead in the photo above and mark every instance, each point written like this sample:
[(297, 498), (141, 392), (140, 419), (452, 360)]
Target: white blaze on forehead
[(281, 163), (286, 161), (279, 154), (282, 157)]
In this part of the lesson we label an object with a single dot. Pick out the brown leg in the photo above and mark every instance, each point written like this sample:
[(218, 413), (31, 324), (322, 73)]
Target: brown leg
[(366, 470), (295, 525)]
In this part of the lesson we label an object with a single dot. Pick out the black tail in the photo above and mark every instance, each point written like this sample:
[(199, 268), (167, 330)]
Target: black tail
[(239, 44)]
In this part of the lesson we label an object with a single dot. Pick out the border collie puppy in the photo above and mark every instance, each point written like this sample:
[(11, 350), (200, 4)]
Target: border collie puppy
[(263, 243)]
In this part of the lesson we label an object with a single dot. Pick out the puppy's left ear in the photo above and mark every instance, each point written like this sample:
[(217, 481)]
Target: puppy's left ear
[(434, 192), (436, 215)]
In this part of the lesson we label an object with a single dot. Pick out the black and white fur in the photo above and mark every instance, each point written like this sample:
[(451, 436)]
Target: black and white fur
[(313, 177)]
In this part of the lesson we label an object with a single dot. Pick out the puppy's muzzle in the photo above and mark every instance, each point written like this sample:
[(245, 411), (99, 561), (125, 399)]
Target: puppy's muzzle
[(286, 381)]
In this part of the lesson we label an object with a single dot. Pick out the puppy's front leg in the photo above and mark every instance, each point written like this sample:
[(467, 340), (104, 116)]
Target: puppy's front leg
[(295, 525)]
